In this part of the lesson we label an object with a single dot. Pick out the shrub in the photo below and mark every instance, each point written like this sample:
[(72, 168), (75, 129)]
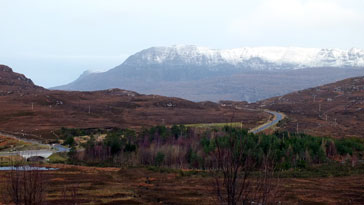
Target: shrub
[(159, 159), (69, 141)]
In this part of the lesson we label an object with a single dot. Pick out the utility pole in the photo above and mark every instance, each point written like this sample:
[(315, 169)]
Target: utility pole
[(32, 106), (319, 107)]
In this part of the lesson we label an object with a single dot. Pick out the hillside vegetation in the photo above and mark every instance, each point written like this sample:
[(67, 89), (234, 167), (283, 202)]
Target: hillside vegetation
[(335, 109)]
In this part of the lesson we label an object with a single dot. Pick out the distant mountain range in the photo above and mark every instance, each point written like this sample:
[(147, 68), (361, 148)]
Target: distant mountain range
[(256, 58), (242, 74)]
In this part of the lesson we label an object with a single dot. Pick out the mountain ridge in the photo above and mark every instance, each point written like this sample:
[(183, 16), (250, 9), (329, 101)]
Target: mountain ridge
[(239, 75), (281, 56), (297, 56)]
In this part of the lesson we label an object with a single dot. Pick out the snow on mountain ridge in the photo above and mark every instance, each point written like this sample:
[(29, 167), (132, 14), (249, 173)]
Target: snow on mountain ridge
[(299, 57)]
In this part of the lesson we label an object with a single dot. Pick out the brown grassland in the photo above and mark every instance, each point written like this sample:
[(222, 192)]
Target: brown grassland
[(144, 186), (335, 109), (37, 112)]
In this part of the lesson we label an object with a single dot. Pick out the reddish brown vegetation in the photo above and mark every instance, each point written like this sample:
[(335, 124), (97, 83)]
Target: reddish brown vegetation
[(335, 109), (131, 186), (29, 109), (25, 185)]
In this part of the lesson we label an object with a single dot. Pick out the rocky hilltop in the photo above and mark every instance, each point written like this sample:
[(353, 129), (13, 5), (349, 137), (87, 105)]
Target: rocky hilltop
[(11, 82)]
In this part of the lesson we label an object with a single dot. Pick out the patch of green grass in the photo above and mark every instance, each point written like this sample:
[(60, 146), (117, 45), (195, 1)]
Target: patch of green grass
[(331, 169), (214, 125), (11, 160), (10, 144), (161, 169), (180, 172), (58, 158), (32, 147)]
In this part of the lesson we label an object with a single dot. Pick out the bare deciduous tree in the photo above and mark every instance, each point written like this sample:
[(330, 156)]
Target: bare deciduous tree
[(266, 189), (25, 185), (234, 167), (70, 194)]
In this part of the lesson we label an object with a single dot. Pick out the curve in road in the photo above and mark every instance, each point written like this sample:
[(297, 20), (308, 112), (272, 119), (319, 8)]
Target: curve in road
[(277, 117), (41, 152)]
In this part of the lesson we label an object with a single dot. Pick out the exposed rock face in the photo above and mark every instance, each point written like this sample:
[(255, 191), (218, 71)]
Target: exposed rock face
[(11, 82), (4, 68)]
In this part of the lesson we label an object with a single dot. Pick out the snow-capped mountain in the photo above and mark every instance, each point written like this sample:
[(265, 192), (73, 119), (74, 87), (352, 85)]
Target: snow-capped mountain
[(291, 57), (250, 74)]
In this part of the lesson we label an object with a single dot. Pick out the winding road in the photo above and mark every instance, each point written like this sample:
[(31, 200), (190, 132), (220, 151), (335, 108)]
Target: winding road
[(41, 152), (277, 117), (59, 148)]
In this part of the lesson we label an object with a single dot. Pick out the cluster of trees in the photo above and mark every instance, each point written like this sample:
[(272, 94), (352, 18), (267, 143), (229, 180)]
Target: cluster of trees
[(242, 164), (292, 150), (182, 147)]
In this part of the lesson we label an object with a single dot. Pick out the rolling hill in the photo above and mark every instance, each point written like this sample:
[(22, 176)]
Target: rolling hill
[(33, 110), (335, 109)]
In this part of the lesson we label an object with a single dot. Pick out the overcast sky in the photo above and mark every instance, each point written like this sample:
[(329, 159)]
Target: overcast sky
[(54, 41)]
